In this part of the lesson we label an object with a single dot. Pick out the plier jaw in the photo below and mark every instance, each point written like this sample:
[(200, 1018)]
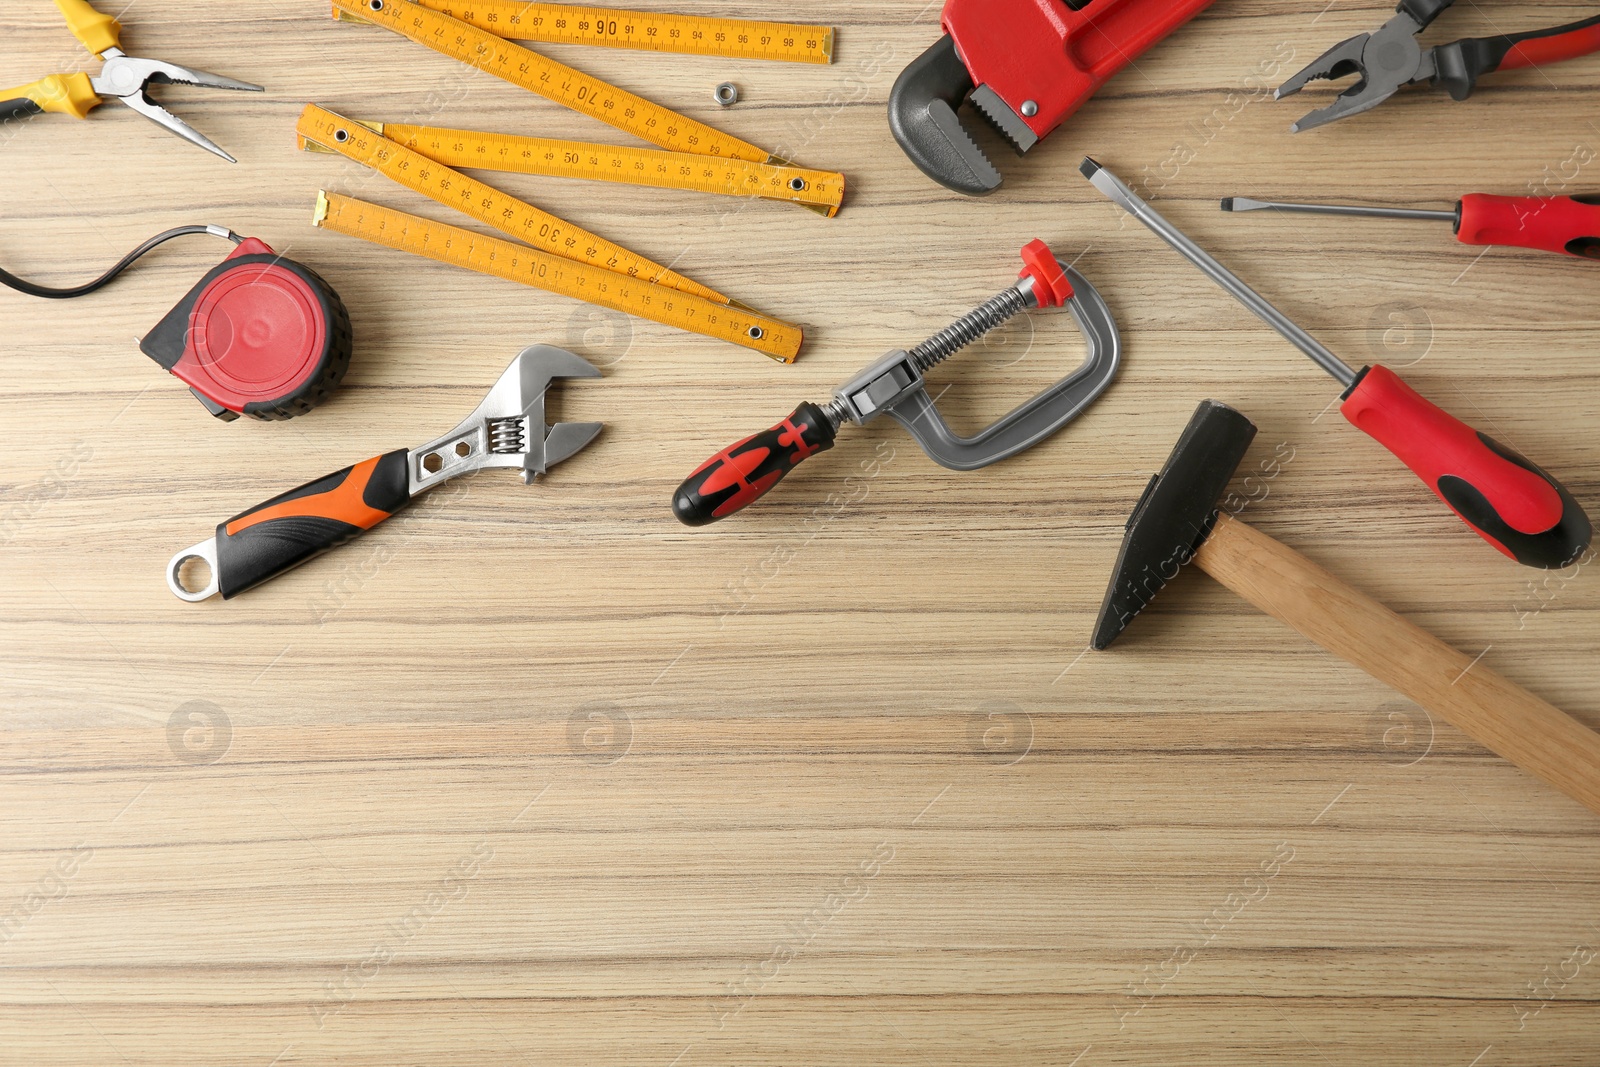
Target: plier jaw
[(1383, 62), (128, 79), (1391, 58), (123, 77)]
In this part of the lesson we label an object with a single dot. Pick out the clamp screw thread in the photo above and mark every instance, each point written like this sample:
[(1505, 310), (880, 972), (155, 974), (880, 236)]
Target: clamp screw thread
[(947, 342)]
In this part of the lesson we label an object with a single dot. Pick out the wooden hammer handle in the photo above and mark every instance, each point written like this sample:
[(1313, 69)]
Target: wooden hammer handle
[(1500, 715)]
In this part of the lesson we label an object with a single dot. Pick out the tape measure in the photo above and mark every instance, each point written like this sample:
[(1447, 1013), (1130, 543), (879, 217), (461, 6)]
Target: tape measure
[(521, 220), (555, 81), (259, 335), (642, 30), (582, 281), (820, 190)]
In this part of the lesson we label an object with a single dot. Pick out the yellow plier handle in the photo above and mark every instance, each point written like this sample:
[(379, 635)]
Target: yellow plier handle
[(97, 31), (66, 94)]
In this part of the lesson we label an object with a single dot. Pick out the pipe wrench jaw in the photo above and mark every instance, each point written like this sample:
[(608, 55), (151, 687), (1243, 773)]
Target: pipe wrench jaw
[(922, 116), (1026, 66), (508, 430)]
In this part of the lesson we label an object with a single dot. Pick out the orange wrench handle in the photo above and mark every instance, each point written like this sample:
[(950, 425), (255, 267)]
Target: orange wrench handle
[(299, 525)]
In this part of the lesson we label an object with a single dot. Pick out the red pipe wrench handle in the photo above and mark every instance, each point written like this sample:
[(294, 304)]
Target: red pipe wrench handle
[(741, 474), (1512, 504), (1046, 53), (1566, 224)]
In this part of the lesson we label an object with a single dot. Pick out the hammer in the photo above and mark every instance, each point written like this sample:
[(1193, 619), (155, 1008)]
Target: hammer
[(1178, 521)]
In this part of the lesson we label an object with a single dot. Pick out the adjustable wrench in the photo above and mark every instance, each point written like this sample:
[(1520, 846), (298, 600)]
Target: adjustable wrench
[(506, 430)]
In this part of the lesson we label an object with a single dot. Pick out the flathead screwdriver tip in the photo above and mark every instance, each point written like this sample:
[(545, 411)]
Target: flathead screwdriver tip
[(1088, 168), (1227, 203)]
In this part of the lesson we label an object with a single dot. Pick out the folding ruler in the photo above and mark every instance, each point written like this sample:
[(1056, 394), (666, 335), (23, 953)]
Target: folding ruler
[(561, 257), (643, 30)]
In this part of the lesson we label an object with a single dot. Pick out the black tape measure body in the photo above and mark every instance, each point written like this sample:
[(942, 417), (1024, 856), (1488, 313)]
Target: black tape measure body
[(259, 335)]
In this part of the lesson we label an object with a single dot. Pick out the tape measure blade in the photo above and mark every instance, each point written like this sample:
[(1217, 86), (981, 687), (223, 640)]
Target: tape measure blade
[(513, 262), (645, 31), (521, 220), (822, 191), (553, 80)]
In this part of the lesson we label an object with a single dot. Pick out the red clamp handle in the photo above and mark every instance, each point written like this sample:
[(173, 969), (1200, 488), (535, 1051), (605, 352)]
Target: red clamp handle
[(1050, 285), (741, 474), (1511, 503), (1566, 224)]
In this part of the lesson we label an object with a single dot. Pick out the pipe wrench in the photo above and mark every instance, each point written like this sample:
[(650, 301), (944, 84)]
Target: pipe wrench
[(506, 430), (1026, 65)]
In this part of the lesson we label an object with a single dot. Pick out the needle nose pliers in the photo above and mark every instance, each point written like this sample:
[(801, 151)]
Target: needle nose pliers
[(1390, 58), (123, 77)]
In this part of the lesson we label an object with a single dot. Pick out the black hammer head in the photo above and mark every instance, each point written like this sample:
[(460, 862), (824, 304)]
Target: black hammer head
[(1175, 515)]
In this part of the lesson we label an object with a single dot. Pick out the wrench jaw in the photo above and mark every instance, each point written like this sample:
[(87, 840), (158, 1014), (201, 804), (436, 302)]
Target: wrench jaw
[(507, 430), (1035, 420), (922, 116), (1004, 119)]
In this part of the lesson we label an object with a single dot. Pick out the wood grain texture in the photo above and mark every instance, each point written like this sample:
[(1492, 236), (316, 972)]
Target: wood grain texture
[(535, 775)]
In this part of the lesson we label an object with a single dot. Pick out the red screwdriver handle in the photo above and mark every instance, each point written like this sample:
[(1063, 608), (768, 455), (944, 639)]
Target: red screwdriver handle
[(1510, 502), (1569, 224), (741, 474)]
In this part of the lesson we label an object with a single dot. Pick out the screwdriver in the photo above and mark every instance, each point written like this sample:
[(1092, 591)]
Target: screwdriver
[(1509, 502), (1569, 225)]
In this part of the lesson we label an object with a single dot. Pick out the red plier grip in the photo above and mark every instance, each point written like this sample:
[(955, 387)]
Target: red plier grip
[(1553, 46), (1458, 66)]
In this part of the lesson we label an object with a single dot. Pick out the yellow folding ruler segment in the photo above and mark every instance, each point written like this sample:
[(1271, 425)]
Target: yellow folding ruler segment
[(521, 220), (646, 31), (555, 81), (818, 189), (519, 263)]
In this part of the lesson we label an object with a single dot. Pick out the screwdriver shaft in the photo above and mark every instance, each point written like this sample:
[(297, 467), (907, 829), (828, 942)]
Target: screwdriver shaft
[(1114, 188), (1240, 203)]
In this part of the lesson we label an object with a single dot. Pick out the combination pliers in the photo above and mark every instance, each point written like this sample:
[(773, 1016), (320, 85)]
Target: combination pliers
[(123, 77), (1391, 58)]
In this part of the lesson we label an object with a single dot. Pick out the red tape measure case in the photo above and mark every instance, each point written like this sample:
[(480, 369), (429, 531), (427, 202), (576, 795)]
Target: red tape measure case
[(260, 335)]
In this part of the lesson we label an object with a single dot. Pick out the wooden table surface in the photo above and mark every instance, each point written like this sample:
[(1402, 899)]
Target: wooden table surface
[(536, 775)]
